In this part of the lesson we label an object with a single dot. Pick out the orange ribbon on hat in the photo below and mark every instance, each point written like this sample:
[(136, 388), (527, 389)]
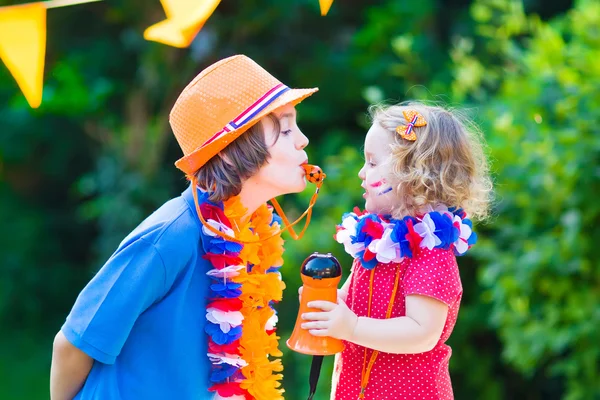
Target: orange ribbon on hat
[(415, 120), (314, 174)]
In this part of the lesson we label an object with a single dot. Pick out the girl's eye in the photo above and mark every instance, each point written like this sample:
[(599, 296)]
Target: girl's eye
[(371, 163), (286, 132)]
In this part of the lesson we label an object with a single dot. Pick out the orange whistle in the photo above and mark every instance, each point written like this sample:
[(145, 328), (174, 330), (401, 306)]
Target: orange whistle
[(314, 173)]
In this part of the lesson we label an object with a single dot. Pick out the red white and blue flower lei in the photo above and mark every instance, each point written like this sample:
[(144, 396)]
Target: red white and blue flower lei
[(381, 239), (246, 283)]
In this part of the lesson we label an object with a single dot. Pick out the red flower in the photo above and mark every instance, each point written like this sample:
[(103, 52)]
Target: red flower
[(233, 304), (220, 261), (357, 211), (231, 348), (228, 389), (413, 238), (373, 229), (213, 212), (369, 255), (271, 331)]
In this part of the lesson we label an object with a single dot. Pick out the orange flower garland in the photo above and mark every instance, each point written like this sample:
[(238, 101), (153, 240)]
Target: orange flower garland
[(261, 286)]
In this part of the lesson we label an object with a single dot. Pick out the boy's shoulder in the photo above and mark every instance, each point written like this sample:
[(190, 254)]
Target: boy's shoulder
[(172, 230)]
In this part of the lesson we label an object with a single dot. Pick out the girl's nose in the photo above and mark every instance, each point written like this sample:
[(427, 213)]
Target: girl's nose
[(361, 173)]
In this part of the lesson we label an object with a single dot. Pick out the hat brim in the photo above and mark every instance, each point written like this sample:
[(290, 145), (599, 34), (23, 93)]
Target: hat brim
[(195, 160)]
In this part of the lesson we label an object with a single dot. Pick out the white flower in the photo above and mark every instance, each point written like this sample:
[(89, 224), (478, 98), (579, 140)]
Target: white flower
[(465, 232), (344, 236), (354, 248), (227, 272), (271, 322), (349, 229), (230, 359), (350, 222), (218, 226), (225, 319), (426, 230), (385, 249)]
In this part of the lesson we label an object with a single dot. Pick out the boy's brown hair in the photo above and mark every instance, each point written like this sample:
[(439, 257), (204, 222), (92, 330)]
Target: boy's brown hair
[(224, 174)]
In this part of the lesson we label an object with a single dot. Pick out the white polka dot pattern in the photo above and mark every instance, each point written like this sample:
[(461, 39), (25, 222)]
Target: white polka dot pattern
[(422, 376)]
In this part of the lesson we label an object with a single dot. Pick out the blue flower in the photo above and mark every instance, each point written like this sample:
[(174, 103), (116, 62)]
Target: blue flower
[(472, 239), (276, 219), (367, 264), (221, 372), (444, 229), (274, 269), (219, 337), (398, 235), (361, 235), (226, 290), (219, 245)]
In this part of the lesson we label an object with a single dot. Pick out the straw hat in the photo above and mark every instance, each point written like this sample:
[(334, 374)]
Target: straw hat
[(223, 102)]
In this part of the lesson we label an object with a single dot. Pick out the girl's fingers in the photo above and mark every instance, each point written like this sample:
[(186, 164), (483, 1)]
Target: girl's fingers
[(316, 316), (315, 325), (323, 305)]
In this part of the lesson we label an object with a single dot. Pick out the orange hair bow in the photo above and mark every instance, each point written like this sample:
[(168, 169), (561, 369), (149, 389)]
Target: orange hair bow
[(414, 120)]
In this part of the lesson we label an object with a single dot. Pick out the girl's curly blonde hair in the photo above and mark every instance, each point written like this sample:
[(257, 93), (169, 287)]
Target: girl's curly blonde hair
[(445, 164)]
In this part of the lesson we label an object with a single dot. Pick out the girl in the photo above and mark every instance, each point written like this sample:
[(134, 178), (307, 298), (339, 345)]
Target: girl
[(423, 172), (183, 309)]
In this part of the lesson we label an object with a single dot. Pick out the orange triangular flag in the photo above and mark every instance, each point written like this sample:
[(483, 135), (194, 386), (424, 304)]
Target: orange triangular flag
[(23, 47), (325, 6), (184, 20)]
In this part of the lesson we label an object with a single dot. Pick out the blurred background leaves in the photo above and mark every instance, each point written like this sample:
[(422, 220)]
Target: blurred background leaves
[(77, 174)]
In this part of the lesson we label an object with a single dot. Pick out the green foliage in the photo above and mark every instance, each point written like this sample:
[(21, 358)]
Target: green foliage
[(541, 261)]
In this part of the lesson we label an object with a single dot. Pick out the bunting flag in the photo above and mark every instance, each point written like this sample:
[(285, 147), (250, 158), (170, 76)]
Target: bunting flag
[(23, 47), (23, 44), (184, 20), (23, 35), (325, 6)]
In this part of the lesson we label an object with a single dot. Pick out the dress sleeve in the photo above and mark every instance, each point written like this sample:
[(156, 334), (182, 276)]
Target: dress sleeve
[(105, 311), (434, 273)]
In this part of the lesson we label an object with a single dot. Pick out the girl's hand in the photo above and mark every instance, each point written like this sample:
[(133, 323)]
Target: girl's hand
[(337, 320)]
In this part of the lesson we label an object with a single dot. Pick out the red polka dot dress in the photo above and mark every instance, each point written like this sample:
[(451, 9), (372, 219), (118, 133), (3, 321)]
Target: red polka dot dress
[(421, 376)]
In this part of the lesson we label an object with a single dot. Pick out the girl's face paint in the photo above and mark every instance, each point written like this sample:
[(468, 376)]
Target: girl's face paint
[(384, 191), (383, 187)]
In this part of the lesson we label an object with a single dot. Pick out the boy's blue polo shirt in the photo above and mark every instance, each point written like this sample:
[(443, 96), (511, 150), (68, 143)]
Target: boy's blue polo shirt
[(142, 317)]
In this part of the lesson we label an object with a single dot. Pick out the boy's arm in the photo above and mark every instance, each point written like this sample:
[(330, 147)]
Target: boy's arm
[(69, 370)]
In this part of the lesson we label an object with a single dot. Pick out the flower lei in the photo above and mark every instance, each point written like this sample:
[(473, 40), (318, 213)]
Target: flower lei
[(380, 239), (246, 283)]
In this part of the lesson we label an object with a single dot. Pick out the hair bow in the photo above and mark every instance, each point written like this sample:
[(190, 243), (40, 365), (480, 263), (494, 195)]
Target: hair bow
[(414, 120)]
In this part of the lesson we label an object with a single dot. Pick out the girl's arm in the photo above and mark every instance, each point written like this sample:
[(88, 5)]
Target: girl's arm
[(417, 332), (69, 370)]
